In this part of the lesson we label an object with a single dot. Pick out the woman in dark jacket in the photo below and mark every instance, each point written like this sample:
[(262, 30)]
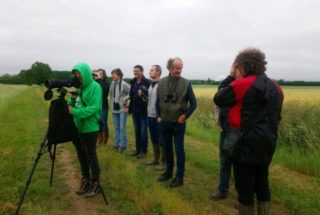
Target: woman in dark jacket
[(101, 77), (255, 103)]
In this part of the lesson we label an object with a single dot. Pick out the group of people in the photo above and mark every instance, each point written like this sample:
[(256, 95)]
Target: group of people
[(247, 100)]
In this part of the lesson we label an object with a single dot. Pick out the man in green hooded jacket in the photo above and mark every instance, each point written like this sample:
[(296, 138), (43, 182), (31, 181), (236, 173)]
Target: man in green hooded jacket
[(85, 108)]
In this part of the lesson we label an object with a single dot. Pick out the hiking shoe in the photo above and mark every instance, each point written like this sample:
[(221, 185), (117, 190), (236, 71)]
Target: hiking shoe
[(84, 186), (217, 196), (122, 149), (141, 155), (164, 177), (176, 182), (135, 153), (94, 189)]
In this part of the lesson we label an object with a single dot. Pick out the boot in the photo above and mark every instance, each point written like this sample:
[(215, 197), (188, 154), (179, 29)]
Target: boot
[(162, 165), (263, 208), (84, 187), (218, 195), (156, 154), (164, 177), (99, 139), (141, 155), (162, 155), (176, 182), (105, 137), (246, 209)]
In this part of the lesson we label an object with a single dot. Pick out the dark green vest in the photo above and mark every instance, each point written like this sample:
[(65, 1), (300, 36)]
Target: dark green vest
[(173, 97)]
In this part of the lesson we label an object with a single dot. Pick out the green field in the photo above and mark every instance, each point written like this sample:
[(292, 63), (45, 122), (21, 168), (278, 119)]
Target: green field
[(130, 184)]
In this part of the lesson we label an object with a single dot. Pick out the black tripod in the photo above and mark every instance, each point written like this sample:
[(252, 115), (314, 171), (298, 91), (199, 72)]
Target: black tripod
[(59, 131)]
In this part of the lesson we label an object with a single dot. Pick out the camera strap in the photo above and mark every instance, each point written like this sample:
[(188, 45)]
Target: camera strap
[(171, 86), (114, 90)]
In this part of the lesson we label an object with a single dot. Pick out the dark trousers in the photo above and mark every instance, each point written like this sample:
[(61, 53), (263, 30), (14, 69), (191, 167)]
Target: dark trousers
[(141, 133), (85, 146), (174, 132), (154, 130), (251, 180), (225, 168)]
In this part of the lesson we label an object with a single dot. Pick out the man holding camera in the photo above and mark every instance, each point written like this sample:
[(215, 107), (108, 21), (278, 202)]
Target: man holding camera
[(85, 107), (176, 102), (138, 108)]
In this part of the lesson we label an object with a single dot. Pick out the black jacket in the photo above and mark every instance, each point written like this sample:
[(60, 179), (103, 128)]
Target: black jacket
[(223, 116), (255, 108), (140, 102), (105, 86)]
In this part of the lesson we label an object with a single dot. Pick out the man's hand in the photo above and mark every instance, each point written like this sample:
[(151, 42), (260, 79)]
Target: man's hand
[(124, 102), (73, 95), (69, 109), (233, 70), (182, 118), (126, 110), (159, 119), (236, 72)]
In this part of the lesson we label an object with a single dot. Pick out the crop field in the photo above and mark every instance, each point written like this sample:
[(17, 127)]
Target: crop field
[(130, 185)]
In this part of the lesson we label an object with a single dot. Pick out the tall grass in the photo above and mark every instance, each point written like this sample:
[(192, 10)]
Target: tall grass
[(131, 185), (22, 128), (298, 143)]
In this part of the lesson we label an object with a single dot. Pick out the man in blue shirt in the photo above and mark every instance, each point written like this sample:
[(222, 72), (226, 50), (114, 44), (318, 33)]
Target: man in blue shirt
[(138, 108)]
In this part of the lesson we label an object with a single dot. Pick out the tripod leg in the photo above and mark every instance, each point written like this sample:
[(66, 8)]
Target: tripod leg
[(53, 158), (40, 152), (104, 196)]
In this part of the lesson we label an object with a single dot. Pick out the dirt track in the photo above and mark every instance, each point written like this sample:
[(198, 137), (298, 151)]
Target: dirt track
[(79, 204)]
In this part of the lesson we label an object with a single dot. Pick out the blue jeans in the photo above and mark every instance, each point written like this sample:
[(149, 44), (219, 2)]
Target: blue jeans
[(141, 133), (120, 123), (174, 132), (154, 130), (225, 169)]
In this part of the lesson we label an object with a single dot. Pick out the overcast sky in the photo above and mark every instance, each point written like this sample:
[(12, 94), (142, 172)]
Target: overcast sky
[(206, 34)]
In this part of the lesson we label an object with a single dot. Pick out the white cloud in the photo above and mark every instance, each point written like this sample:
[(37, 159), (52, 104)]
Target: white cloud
[(206, 34)]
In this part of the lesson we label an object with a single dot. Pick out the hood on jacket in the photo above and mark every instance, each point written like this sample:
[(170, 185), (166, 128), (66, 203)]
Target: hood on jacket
[(85, 71)]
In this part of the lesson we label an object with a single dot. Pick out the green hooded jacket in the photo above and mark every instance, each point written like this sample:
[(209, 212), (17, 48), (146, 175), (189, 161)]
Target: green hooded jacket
[(88, 104)]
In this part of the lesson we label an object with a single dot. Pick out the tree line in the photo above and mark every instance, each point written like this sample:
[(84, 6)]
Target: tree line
[(39, 72)]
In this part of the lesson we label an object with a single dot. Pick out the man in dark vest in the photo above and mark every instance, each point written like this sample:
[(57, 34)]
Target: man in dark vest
[(176, 102)]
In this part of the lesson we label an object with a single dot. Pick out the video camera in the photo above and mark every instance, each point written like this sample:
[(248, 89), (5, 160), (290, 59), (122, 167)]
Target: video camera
[(54, 83), (60, 84)]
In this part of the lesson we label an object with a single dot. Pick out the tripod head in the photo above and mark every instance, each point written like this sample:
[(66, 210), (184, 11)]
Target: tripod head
[(49, 94)]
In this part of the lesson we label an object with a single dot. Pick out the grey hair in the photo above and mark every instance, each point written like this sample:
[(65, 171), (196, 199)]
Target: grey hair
[(171, 60)]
